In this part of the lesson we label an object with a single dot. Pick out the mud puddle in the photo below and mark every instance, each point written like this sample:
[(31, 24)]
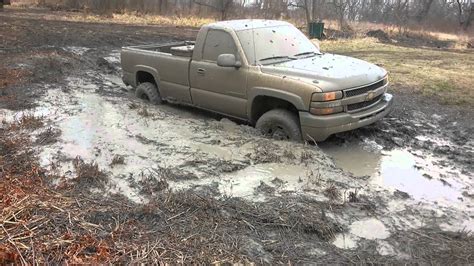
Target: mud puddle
[(417, 179), (194, 150), (413, 172), (370, 228)]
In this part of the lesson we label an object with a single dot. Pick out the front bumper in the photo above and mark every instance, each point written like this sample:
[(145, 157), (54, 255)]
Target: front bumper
[(319, 128)]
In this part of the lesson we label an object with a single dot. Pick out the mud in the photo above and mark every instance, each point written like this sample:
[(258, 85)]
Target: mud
[(370, 188)]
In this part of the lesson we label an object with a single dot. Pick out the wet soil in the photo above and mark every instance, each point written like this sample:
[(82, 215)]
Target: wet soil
[(370, 195)]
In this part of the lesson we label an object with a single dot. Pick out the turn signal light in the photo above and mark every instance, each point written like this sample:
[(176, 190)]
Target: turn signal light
[(326, 96), (326, 111)]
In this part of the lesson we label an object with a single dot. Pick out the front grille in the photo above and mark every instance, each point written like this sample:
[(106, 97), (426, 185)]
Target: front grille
[(359, 91), (356, 106)]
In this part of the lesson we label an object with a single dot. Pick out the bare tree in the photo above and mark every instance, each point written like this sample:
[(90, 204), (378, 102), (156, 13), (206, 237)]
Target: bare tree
[(307, 6), (353, 9), (340, 7), (433, 13), (465, 12), (424, 8)]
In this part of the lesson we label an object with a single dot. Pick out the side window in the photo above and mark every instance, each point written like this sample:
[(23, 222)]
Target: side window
[(218, 42)]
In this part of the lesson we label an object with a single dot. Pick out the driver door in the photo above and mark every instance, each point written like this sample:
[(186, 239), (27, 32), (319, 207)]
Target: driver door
[(220, 89)]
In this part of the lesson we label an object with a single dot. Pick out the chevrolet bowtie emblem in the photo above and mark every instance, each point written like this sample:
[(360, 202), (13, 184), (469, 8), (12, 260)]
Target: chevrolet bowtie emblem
[(370, 96)]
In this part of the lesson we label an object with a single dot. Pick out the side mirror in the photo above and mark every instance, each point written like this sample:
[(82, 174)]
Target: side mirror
[(228, 60)]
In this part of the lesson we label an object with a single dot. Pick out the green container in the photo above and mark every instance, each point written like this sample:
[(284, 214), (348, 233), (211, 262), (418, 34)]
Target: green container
[(316, 30)]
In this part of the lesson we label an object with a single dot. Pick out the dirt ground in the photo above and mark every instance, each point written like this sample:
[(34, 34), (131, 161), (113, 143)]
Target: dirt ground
[(89, 173)]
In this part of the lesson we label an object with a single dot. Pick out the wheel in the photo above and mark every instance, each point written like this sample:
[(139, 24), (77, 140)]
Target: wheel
[(280, 124), (148, 91)]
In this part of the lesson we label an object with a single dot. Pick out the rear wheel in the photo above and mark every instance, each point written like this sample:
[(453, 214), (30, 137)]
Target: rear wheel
[(148, 91), (280, 124)]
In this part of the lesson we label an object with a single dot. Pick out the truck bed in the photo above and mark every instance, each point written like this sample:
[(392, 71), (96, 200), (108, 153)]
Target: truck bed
[(184, 49), (168, 63)]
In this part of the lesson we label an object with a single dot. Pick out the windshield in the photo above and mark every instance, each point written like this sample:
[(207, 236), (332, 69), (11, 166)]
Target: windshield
[(275, 44)]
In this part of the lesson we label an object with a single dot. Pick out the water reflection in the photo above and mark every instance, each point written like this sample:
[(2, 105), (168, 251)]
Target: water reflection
[(396, 169)]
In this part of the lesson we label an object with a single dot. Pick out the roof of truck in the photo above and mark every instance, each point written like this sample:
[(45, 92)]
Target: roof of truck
[(245, 24)]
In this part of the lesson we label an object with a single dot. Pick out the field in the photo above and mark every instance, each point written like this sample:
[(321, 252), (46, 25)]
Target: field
[(444, 74), (91, 174)]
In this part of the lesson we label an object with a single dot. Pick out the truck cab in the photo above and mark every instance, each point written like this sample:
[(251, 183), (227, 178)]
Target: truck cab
[(264, 72)]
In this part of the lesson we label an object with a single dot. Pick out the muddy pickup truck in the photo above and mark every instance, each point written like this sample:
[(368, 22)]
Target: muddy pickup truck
[(266, 73)]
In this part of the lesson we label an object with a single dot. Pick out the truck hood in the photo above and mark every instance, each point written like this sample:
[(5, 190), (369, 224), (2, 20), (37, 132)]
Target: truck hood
[(328, 71)]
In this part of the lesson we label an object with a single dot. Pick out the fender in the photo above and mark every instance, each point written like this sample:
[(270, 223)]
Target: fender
[(280, 94), (150, 70)]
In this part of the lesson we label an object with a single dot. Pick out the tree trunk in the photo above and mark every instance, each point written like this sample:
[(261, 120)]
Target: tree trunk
[(469, 18), (307, 5), (424, 10)]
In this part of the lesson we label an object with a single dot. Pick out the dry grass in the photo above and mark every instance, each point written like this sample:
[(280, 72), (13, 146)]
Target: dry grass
[(26, 120), (11, 77), (445, 74), (88, 174), (48, 136), (451, 32), (333, 192), (129, 18), (133, 18)]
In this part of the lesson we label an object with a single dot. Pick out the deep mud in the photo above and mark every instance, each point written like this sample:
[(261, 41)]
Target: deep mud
[(371, 195)]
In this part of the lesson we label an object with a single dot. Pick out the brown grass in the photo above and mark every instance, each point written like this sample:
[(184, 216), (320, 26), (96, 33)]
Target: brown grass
[(127, 18), (333, 192), (10, 77), (89, 174), (48, 136), (26, 120)]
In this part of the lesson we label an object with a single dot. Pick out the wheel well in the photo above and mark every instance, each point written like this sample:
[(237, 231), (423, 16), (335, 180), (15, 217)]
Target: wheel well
[(263, 104), (143, 76)]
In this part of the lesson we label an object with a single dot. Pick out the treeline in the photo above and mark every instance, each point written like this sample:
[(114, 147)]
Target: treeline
[(433, 13)]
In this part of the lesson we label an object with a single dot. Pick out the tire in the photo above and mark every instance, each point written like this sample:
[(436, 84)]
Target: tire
[(148, 91), (280, 124)]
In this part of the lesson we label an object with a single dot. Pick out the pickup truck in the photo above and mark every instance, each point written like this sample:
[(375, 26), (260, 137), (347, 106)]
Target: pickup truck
[(267, 73)]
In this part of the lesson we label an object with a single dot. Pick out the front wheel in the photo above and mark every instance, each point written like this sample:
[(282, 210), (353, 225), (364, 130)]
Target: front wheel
[(280, 124)]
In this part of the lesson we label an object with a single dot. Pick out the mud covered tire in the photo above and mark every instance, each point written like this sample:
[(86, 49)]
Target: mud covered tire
[(280, 124), (148, 91)]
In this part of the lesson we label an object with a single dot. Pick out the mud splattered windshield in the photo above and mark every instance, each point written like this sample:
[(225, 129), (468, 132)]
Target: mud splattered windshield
[(272, 45)]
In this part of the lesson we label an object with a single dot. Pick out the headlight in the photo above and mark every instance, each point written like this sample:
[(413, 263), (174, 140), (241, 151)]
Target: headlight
[(326, 96), (325, 103)]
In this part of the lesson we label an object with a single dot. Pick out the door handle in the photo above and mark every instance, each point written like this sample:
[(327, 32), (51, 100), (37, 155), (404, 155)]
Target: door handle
[(201, 71)]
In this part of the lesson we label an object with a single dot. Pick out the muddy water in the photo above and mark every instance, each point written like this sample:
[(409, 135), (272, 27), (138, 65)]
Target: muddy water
[(370, 228), (412, 172), (253, 181), (97, 127)]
